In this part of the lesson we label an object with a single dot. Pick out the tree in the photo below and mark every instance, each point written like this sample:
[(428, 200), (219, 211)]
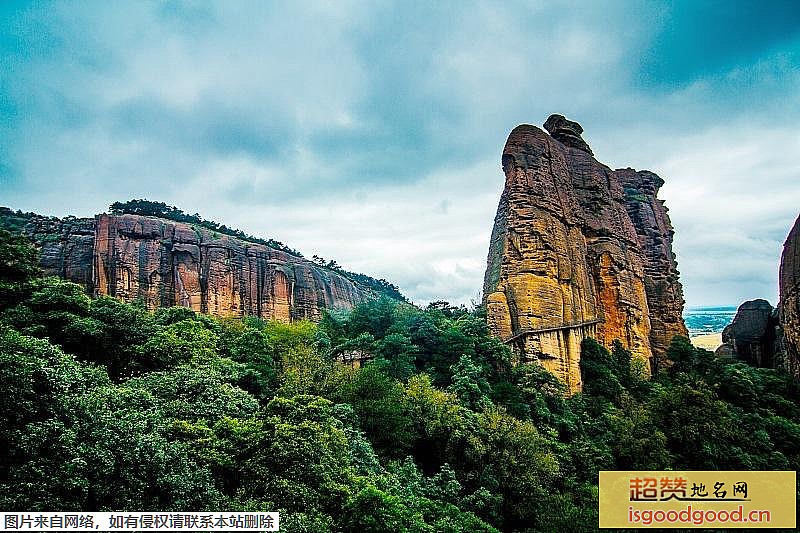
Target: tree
[(192, 393), (597, 372), (52, 306), (74, 441), (621, 364), (180, 342), (396, 355), (123, 328), (639, 442), (37, 377), (543, 397), (381, 407), (109, 452), (249, 346), (688, 359), (441, 426), (469, 385), (374, 511), (373, 316), (301, 459), (19, 265), (512, 454)]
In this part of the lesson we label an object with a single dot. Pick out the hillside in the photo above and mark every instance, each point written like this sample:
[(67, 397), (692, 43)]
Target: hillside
[(110, 406), (155, 253)]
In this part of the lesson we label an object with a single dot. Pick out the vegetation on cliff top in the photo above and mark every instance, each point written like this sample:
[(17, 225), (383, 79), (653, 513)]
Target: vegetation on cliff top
[(108, 406), (15, 222), (146, 208), (162, 210)]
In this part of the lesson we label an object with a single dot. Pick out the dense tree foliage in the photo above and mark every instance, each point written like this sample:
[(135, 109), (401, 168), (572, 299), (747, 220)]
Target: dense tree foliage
[(19, 267), (109, 406)]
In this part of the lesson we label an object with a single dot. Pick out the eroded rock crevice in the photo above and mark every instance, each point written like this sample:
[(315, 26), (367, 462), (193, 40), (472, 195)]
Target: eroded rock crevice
[(164, 263), (580, 250)]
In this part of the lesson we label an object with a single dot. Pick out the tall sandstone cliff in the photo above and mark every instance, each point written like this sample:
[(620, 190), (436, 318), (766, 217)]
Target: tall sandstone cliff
[(165, 263), (654, 232), (578, 250), (789, 306)]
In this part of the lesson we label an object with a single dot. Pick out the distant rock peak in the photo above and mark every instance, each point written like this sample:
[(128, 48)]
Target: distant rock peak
[(567, 132), (751, 334)]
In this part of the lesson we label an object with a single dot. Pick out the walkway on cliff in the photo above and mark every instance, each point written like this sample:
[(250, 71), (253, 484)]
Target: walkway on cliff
[(566, 326)]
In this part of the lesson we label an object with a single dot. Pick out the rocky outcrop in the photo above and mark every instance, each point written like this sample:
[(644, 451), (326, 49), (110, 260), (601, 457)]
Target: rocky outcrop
[(789, 306), (66, 244), (567, 132), (751, 334), (767, 337), (566, 260), (165, 263), (654, 231)]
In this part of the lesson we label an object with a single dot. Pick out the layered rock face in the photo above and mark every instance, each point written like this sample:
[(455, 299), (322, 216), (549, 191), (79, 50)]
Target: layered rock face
[(566, 260), (789, 306), (654, 232), (165, 263), (67, 245)]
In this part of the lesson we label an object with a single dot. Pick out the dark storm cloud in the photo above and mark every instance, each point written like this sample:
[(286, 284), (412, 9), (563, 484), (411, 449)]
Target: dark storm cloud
[(209, 126), (698, 39), (370, 132)]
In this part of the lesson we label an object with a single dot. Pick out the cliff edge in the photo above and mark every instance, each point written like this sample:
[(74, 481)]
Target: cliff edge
[(789, 306), (164, 263), (578, 250)]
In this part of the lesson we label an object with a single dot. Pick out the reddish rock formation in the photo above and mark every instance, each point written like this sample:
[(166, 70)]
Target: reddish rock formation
[(654, 230), (166, 263), (566, 260), (789, 306), (566, 132)]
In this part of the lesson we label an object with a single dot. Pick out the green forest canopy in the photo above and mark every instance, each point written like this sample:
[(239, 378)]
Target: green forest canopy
[(108, 406)]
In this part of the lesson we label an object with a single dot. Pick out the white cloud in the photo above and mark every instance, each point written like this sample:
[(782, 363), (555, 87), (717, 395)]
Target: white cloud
[(371, 133)]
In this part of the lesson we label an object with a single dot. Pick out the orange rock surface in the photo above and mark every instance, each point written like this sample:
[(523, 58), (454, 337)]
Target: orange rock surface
[(166, 263), (566, 260)]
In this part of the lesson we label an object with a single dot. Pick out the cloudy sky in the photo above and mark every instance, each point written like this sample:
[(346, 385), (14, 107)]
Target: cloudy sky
[(371, 132)]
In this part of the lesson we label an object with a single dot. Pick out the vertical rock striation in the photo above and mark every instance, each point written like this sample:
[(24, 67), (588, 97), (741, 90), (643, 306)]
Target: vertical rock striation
[(789, 306), (654, 231), (566, 259), (165, 263)]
